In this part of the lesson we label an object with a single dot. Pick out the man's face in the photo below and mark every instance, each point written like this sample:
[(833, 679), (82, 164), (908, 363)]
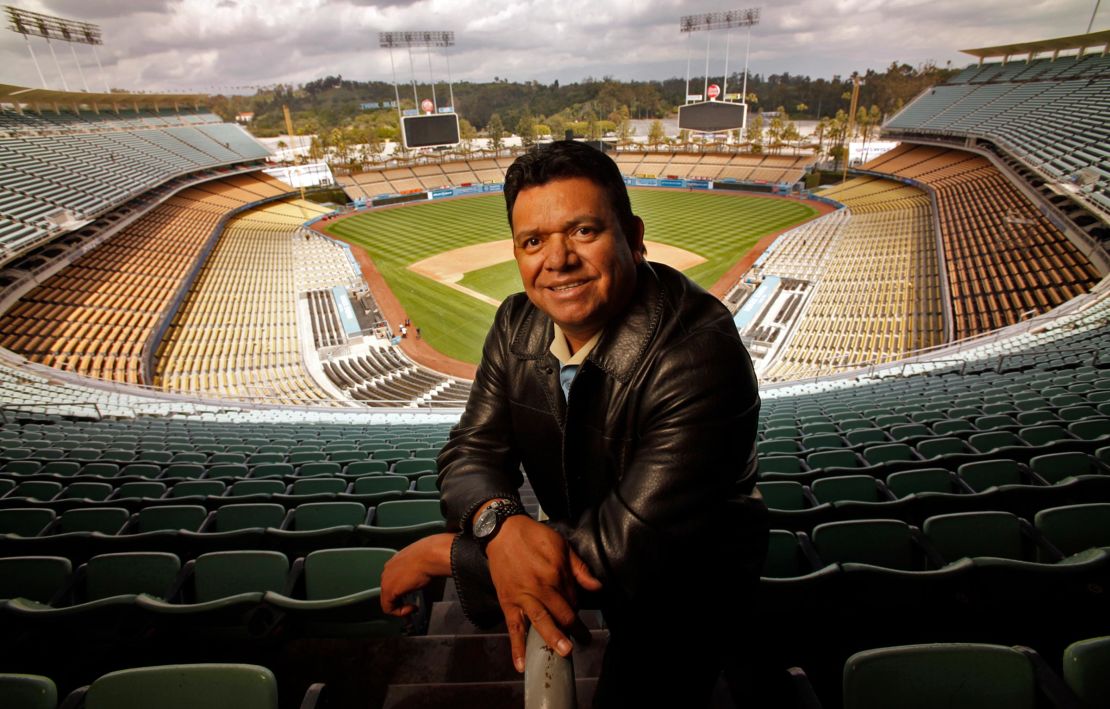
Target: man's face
[(575, 261)]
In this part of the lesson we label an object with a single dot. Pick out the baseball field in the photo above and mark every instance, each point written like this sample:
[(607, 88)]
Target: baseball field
[(450, 262)]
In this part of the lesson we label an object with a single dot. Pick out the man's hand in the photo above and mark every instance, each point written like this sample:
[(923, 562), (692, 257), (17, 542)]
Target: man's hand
[(412, 568), (536, 575)]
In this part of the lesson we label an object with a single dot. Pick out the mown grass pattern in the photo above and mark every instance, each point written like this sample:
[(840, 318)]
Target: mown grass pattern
[(720, 228)]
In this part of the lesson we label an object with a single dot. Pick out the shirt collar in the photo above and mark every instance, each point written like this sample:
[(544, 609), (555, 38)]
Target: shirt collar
[(561, 349)]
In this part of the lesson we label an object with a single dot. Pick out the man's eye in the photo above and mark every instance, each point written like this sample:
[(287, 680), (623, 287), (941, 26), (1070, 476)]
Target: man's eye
[(586, 231), (531, 243)]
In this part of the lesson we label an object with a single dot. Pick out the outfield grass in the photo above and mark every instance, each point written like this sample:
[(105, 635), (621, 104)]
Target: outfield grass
[(720, 228)]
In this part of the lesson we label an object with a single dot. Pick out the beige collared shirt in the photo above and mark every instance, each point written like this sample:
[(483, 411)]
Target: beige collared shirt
[(561, 349)]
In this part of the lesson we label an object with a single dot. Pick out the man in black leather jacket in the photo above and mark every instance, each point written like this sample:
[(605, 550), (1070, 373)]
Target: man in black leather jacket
[(623, 391)]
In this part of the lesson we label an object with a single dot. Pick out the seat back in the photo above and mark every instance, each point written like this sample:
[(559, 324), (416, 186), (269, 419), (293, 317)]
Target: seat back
[(171, 517), (784, 558), (833, 459), (983, 474), (882, 542), (241, 488), (18, 691), (957, 676), (909, 482), (318, 486), (372, 484), (34, 577), (230, 518), (401, 513), (321, 515), (858, 488), (1085, 665), (976, 534), (227, 573), (1074, 528), (332, 573), (415, 466), (106, 520), (138, 572), (138, 489), (204, 488), (780, 464), (185, 687)]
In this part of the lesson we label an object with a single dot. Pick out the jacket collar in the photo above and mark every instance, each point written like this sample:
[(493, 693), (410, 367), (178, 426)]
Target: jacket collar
[(625, 340)]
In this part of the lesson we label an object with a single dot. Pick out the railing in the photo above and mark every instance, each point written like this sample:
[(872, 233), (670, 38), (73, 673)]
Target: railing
[(548, 677)]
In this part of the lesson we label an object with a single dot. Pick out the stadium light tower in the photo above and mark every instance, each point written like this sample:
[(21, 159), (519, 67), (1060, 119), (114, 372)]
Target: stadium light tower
[(440, 125), (707, 22), (48, 27)]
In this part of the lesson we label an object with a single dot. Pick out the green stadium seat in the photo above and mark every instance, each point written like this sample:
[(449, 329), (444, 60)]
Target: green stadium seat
[(789, 432), (1091, 429), (25, 522), (106, 520), (39, 578), (983, 474), (963, 676), (226, 458), (978, 534), (325, 515), (203, 488), (186, 686), (937, 447), (22, 467), (134, 490), (397, 523), (237, 517), (86, 491), (863, 436), (879, 542), (914, 482), (183, 471), (1078, 413), (374, 484), (1054, 467), (170, 518), (228, 470), (783, 495), (785, 558), (822, 440), (785, 464), (1036, 417), (415, 467), (243, 488), (1075, 528), (910, 430), (994, 440), (856, 488), (1085, 665), (189, 457), (319, 468), (990, 423), (770, 447), (811, 429), (318, 486), (347, 456), (365, 467), (137, 470), (62, 468), (36, 490), (265, 459), (427, 483), (272, 470), (21, 691), (1043, 435), (342, 589), (832, 459), (888, 453)]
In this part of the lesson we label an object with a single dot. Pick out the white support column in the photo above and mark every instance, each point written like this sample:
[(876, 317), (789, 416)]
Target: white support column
[(57, 65), (35, 60)]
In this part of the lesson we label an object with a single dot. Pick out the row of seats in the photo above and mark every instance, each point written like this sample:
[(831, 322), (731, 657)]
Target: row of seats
[(236, 334), (453, 172), (878, 296), (383, 377), (251, 591), (1004, 257), (96, 316), (709, 166), (1047, 113), (189, 529), (214, 685), (1056, 535)]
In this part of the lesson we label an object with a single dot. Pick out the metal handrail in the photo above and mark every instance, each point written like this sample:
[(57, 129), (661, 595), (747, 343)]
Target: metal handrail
[(548, 676)]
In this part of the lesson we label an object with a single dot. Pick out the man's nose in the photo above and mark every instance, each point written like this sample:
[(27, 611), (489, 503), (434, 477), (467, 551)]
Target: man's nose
[(560, 253)]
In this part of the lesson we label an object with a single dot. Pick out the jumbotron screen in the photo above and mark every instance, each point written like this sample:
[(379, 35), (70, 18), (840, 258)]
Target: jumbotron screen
[(430, 131), (712, 116)]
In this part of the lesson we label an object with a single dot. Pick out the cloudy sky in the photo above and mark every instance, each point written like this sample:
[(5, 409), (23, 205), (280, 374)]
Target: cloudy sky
[(216, 45)]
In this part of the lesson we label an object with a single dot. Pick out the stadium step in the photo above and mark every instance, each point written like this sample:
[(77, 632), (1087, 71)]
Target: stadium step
[(447, 619)]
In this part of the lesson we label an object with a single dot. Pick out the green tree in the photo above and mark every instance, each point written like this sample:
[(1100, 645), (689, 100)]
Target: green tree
[(495, 131), (526, 129), (754, 133), (655, 133)]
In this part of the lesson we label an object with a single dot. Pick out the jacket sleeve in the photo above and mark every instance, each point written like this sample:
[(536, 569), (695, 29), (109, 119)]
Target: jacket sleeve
[(478, 463), (681, 519)]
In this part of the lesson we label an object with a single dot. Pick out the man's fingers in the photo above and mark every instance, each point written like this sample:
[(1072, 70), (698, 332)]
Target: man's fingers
[(582, 574), (402, 611), (514, 621), (544, 623)]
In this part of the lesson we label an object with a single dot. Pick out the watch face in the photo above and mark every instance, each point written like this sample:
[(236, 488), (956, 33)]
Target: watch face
[(487, 522)]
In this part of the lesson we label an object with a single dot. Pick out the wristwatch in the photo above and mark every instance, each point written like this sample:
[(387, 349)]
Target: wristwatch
[(489, 522)]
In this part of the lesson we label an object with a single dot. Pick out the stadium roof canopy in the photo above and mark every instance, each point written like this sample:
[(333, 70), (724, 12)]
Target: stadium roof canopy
[(39, 100), (1030, 49)]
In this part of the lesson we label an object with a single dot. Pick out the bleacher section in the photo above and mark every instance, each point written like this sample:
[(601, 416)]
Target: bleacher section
[(1004, 258), (877, 293), (96, 316), (710, 166), (60, 171), (383, 377), (1050, 114), (459, 173), (236, 334)]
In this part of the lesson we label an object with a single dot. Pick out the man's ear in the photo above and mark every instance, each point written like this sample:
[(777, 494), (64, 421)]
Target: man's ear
[(636, 240)]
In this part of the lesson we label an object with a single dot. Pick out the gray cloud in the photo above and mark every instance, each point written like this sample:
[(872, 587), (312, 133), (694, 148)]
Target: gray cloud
[(205, 45)]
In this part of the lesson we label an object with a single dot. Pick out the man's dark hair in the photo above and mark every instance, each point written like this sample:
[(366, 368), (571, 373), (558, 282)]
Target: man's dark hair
[(564, 159)]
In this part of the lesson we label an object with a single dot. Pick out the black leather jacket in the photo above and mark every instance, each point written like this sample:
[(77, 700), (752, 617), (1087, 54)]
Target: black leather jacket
[(647, 471)]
